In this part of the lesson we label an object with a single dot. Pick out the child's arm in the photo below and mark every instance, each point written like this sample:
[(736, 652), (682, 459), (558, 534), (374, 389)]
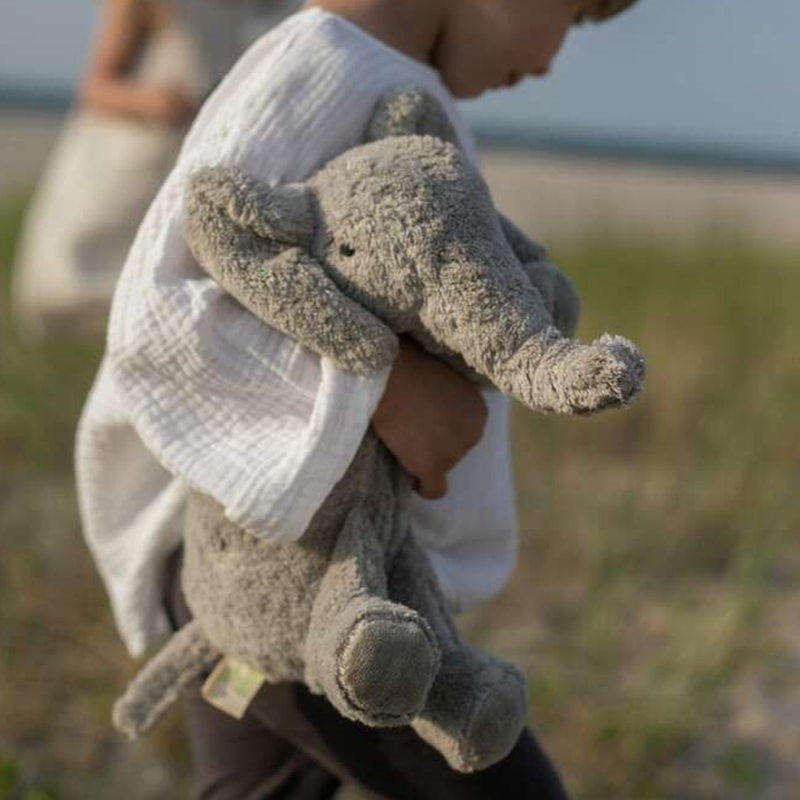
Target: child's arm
[(124, 29), (430, 417)]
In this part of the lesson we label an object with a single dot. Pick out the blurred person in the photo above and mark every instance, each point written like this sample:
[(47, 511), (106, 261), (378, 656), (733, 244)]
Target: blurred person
[(151, 65), (195, 391)]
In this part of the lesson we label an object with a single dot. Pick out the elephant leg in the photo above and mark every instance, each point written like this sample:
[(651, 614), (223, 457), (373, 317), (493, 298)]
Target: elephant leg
[(477, 707), (375, 660)]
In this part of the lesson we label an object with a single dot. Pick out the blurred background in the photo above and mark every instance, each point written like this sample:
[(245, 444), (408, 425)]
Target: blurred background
[(655, 607)]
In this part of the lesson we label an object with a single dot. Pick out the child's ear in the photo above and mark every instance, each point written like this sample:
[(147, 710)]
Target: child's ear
[(409, 111)]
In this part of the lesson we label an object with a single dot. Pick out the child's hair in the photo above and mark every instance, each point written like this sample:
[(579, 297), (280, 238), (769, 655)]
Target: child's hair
[(604, 9)]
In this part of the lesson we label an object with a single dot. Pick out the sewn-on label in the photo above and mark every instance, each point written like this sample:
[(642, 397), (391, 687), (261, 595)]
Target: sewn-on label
[(232, 685)]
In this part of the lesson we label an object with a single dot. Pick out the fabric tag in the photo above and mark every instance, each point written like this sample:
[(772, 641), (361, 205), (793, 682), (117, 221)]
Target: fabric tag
[(232, 685)]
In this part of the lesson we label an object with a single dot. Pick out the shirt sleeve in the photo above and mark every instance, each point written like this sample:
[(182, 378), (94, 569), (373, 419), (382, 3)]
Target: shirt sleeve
[(221, 399)]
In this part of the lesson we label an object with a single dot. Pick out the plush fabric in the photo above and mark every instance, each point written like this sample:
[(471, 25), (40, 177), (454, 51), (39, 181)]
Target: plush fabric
[(396, 236), (194, 390)]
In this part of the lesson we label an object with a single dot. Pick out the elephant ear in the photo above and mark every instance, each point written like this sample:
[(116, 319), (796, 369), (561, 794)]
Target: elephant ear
[(283, 214), (254, 241), (410, 111)]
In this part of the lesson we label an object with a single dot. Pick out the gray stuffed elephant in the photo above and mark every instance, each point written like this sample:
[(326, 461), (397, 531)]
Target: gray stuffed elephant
[(396, 236)]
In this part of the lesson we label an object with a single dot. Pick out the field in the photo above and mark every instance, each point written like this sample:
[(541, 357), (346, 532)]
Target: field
[(655, 603)]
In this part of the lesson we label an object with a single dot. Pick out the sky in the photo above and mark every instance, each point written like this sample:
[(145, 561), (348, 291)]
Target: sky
[(708, 73)]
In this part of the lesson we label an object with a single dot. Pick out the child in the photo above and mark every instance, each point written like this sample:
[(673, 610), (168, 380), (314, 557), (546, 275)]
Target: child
[(195, 390), (152, 63)]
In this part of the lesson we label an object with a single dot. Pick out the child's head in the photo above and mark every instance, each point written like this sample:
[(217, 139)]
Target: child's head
[(487, 44), (476, 44)]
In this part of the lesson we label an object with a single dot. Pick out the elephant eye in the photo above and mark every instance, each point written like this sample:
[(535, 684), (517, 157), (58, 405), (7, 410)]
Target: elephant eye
[(346, 250)]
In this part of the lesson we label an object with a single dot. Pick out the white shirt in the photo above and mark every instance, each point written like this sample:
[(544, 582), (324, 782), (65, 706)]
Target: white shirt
[(195, 391)]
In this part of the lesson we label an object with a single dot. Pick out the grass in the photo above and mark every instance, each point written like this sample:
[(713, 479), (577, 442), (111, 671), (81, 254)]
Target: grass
[(656, 545), (655, 540), (61, 663)]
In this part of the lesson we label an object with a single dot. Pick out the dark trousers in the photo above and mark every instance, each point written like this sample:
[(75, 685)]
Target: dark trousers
[(294, 744)]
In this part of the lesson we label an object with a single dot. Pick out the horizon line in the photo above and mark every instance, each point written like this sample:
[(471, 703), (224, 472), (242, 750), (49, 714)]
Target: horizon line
[(548, 140)]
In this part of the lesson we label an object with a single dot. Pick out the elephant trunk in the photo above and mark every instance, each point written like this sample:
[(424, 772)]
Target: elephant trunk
[(486, 309)]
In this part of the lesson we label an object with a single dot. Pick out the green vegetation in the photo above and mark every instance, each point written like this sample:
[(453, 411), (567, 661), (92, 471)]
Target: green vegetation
[(657, 542), (61, 662), (656, 551)]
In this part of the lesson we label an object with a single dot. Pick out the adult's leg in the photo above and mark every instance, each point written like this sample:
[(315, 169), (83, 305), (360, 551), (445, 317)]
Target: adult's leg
[(240, 759)]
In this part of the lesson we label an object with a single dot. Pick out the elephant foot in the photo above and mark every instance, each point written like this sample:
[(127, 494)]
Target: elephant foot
[(497, 724), (476, 711), (378, 664)]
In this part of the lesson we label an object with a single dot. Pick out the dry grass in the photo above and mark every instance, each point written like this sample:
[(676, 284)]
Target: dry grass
[(657, 542), (656, 547), (61, 663)]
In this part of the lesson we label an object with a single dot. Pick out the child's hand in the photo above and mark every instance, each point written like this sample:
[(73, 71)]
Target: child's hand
[(430, 417)]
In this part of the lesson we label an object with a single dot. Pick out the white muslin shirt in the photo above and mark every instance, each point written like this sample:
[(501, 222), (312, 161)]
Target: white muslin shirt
[(195, 391)]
